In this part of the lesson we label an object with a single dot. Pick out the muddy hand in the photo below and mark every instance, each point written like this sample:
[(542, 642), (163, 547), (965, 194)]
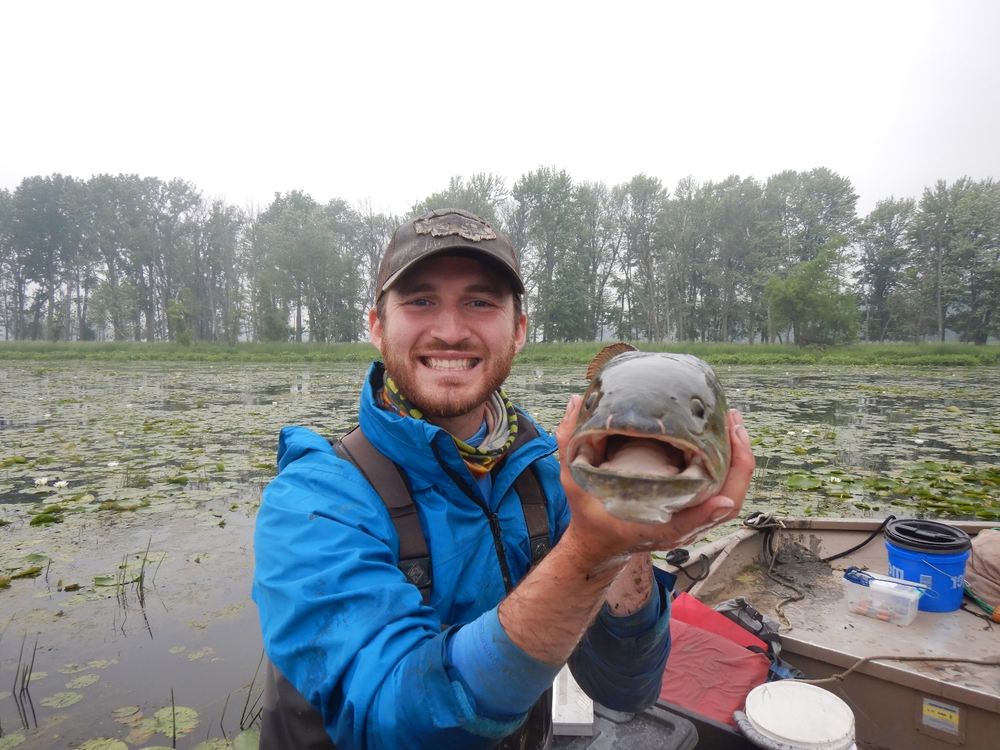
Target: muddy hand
[(604, 537)]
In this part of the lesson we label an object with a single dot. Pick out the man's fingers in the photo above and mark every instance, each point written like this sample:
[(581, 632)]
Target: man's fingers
[(565, 429), (688, 524), (591, 518), (741, 462)]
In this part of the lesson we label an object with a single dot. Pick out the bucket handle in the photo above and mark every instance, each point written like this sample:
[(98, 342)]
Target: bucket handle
[(946, 575)]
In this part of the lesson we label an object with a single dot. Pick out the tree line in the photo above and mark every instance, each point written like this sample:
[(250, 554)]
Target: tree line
[(786, 259)]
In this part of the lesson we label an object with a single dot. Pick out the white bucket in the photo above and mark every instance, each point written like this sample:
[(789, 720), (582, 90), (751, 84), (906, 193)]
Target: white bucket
[(801, 715)]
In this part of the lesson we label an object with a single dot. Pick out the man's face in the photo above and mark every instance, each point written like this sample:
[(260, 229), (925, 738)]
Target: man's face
[(449, 335)]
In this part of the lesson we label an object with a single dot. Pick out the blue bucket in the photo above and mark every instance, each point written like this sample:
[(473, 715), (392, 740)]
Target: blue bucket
[(932, 554)]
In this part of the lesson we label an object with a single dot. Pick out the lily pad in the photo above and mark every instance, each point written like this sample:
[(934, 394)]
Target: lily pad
[(62, 700), (248, 740), (214, 743), (804, 482), (82, 681), (163, 722), (103, 743)]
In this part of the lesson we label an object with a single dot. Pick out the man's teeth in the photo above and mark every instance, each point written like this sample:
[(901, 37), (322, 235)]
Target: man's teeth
[(449, 364)]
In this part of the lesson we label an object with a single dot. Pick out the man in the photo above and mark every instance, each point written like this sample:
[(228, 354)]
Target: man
[(355, 649)]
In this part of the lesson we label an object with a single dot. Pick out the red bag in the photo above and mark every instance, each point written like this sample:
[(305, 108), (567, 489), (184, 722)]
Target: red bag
[(688, 609), (707, 672)]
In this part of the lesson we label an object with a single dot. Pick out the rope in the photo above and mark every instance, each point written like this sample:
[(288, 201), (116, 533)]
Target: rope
[(763, 521), (767, 524), (875, 533), (988, 662)]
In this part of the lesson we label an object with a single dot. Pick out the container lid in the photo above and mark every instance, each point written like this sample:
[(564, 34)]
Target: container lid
[(802, 715), (926, 536)]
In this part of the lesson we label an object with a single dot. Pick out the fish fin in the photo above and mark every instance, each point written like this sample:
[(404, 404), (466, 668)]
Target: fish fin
[(607, 354)]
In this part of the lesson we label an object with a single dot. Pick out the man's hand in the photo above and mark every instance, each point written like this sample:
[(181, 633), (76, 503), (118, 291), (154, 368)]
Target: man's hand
[(602, 539), (601, 558)]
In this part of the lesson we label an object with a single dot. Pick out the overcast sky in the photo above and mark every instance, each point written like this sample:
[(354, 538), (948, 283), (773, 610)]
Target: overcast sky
[(387, 100)]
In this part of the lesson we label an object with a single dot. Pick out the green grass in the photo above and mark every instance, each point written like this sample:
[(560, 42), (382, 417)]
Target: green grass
[(198, 352), (938, 355)]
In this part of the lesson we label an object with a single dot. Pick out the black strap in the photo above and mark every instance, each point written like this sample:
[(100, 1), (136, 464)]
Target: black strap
[(529, 490), (536, 517), (390, 484)]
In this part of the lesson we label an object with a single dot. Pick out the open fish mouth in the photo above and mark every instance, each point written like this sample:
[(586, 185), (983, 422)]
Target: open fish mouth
[(640, 456), (641, 478), (650, 437)]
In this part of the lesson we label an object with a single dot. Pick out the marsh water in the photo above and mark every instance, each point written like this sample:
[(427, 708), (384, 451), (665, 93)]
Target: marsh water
[(128, 495)]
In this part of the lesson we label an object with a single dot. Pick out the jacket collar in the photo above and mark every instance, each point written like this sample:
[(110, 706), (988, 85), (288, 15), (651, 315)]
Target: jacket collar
[(417, 445)]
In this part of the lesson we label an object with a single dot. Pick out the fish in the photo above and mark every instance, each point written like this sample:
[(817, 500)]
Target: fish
[(651, 437)]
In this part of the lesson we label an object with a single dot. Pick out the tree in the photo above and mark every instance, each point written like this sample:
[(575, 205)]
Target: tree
[(975, 266), (810, 302), (115, 227), (482, 194), (743, 236), (13, 276), (933, 235), (684, 237), (883, 256), (600, 242), (372, 233), (640, 201), (46, 235), (551, 225), (811, 208)]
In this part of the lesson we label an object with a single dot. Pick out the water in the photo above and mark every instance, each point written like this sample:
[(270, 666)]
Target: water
[(166, 462)]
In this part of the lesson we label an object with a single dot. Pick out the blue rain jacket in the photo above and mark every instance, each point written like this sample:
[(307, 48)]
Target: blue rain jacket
[(343, 624)]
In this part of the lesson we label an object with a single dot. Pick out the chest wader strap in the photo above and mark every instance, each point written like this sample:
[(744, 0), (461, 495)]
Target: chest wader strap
[(391, 485), (536, 518)]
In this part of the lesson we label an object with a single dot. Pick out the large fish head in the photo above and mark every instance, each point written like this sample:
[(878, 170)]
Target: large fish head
[(651, 435)]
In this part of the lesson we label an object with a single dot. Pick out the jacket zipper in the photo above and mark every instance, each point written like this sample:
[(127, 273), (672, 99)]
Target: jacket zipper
[(491, 517)]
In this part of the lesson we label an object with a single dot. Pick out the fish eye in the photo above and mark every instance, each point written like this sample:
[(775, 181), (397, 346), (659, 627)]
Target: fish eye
[(698, 408), (591, 400)]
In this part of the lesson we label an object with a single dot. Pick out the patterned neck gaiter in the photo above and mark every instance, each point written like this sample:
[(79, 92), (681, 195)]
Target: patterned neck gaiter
[(501, 424)]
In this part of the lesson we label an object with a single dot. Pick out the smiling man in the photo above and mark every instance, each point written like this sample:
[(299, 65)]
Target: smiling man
[(516, 572)]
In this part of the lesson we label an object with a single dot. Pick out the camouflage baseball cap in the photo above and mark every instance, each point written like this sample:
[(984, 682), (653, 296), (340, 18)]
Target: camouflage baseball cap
[(444, 230)]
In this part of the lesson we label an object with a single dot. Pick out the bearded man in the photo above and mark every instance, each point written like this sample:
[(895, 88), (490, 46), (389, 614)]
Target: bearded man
[(366, 653)]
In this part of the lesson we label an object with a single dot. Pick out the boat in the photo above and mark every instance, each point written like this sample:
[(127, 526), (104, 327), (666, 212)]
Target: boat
[(946, 695)]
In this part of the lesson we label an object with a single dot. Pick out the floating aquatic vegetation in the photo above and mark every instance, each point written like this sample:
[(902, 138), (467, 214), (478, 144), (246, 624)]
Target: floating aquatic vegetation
[(172, 721), (62, 700), (103, 743), (180, 454), (43, 519), (82, 681)]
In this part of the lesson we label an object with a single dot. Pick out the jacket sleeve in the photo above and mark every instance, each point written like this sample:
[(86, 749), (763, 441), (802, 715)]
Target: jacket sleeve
[(342, 623), (620, 661)]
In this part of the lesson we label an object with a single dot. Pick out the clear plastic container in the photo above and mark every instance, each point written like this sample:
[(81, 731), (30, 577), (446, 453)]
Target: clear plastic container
[(884, 598)]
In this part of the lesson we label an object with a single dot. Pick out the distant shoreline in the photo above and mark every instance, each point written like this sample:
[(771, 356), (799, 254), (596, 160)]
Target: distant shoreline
[(927, 354)]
